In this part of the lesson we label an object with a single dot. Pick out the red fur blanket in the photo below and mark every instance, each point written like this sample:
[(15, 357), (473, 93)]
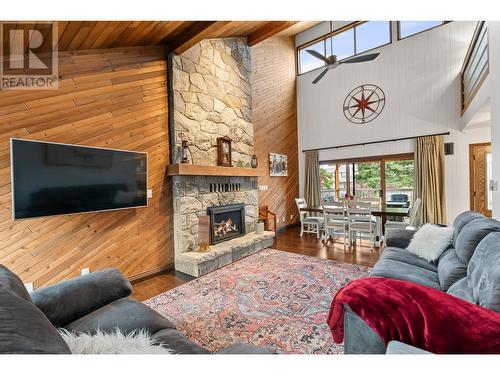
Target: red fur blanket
[(417, 315)]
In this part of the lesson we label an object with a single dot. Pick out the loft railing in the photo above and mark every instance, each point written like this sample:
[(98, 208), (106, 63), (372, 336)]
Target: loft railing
[(476, 65)]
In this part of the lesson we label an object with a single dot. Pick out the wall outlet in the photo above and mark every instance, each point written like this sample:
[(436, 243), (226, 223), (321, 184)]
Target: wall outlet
[(283, 219), (291, 216), (85, 271), (263, 187), (29, 287), (150, 193)]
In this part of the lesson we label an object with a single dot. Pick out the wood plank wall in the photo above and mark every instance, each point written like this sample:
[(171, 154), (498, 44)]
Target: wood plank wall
[(111, 98), (274, 108)]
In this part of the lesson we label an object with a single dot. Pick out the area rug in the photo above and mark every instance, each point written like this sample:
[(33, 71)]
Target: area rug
[(272, 299)]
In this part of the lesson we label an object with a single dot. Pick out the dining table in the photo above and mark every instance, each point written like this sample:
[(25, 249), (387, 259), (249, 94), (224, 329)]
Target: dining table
[(380, 212)]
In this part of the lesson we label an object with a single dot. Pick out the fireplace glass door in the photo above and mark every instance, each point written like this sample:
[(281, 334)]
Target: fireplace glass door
[(226, 222)]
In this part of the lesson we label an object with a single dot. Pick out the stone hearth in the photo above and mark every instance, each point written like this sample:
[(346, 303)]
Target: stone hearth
[(198, 264)]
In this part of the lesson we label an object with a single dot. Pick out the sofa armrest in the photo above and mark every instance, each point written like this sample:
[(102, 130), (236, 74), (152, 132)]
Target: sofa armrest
[(69, 300), (399, 237), (396, 347), (359, 338)]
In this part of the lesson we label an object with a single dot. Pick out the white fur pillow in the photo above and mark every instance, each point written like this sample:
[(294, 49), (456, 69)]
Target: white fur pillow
[(430, 241), (136, 342)]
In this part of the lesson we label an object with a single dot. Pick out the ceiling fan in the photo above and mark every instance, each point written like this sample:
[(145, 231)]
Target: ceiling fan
[(332, 62)]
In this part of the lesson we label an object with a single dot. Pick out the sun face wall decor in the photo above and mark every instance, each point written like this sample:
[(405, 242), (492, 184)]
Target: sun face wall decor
[(364, 104)]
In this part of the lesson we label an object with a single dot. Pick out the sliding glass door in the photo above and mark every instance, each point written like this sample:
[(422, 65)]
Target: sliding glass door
[(384, 180), (367, 181), (399, 183)]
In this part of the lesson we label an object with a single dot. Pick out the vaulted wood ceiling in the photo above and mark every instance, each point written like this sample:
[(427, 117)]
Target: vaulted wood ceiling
[(178, 36)]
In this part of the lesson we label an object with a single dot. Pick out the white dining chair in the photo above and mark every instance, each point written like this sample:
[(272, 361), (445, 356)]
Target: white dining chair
[(411, 221), (335, 222), (360, 223), (308, 223)]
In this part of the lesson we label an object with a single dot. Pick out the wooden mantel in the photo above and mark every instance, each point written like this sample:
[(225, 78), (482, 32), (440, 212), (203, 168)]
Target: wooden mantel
[(210, 170)]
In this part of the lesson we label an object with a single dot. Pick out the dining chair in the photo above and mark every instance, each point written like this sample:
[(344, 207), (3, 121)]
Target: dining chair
[(308, 223), (411, 221), (335, 222), (360, 223)]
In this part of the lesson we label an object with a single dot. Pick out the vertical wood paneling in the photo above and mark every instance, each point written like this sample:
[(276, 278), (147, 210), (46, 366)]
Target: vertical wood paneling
[(108, 98), (275, 122)]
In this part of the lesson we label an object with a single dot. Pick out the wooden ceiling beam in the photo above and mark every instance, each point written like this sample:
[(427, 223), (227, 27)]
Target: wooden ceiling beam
[(268, 30), (201, 30)]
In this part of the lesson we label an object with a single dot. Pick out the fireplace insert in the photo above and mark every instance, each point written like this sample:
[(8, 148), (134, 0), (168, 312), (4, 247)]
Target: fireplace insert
[(226, 222)]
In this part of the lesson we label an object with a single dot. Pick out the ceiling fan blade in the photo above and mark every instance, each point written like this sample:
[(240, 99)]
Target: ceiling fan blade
[(321, 75), (318, 55), (363, 58)]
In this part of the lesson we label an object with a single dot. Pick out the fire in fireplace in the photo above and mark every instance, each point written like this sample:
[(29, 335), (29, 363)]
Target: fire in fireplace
[(226, 222)]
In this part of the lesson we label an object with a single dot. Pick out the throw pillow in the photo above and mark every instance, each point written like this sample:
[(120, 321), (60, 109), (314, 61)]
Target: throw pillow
[(430, 241), (136, 342)]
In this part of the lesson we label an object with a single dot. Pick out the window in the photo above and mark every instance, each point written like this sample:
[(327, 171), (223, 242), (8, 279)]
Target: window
[(346, 43), (409, 28), (343, 44), (370, 35), (309, 62)]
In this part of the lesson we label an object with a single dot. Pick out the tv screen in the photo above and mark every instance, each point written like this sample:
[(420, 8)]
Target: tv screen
[(55, 179)]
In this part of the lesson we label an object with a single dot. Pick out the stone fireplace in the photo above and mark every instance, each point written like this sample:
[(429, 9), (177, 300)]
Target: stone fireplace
[(212, 98)]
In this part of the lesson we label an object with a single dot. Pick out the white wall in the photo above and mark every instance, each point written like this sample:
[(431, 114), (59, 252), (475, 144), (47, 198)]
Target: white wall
[(494, 81), (420, 76)]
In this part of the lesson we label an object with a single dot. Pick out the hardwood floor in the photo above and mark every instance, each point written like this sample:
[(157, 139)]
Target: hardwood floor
[(287, 240)]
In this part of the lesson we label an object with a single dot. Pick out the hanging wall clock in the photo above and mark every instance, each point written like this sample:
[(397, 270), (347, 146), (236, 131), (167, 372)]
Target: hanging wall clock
[(364, 104)]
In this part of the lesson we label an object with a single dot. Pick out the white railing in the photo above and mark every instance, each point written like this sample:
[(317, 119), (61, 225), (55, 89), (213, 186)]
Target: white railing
[(330, 195)]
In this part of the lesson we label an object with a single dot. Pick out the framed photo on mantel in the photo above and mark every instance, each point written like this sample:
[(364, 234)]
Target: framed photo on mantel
[(224, 152)]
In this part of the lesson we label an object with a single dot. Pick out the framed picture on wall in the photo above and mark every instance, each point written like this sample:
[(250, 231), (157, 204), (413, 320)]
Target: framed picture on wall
[(278, 165)]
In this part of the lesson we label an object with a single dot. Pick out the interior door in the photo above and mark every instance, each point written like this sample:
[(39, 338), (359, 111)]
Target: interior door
[(480, 175)]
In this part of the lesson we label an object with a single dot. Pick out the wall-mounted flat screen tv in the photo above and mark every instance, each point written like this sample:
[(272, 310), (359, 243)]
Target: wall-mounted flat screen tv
[(56, 179)]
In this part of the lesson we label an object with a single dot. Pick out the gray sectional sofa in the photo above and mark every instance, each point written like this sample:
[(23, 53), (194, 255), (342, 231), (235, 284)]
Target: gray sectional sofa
[(28, 323), (469, 269)]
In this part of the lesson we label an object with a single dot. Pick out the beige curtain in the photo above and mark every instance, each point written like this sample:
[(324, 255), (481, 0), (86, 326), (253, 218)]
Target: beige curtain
[(429, 184), (312, 190)]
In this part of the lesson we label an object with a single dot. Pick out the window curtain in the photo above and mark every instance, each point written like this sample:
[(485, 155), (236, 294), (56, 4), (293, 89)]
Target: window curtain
[(429, 184), (312, 190)]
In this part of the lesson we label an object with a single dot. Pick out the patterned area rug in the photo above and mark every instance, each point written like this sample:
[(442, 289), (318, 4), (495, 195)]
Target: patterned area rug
[(273, 299)]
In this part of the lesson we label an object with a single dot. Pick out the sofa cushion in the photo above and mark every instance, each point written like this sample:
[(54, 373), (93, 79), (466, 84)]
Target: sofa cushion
[(470, 236), (177, 342), (24, 329), (462, 290), (126, 314), (395, 269), (430, 241), (463, 219), (403, 255), (450, 269), (69, 300), (398, 237), (483, 275), (11, 282)]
